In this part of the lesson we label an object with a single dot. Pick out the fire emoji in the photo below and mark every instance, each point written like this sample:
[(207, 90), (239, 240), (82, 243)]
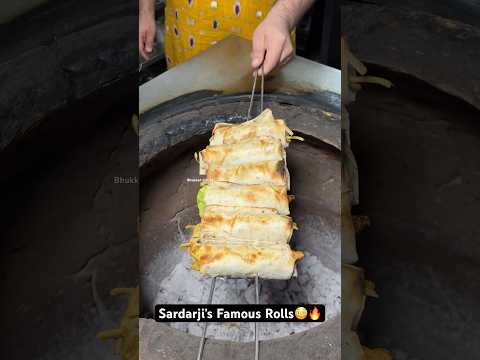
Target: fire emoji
[(315, 314)]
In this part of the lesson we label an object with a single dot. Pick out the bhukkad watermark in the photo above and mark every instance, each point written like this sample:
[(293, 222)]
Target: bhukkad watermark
[(125, 180)]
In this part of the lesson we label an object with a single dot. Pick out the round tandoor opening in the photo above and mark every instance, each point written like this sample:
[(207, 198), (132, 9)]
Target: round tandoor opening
[(169, 136)]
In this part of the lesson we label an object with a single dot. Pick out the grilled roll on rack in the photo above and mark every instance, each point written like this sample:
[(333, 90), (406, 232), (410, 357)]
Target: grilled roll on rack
[(273, 172), (243, 203), (263, 125), (246, 228), (275, 261), (254, 196), (245, 152)]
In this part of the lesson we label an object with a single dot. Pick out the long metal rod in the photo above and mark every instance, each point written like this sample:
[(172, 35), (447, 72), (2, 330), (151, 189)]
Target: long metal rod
[(204, 331), (257, 286), (250, 106), (261, 91), (252, 95), (257, 281), (257, 301)]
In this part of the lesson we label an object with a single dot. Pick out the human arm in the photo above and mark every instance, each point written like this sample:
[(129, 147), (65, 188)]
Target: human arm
[(272, 37), (146, 27)]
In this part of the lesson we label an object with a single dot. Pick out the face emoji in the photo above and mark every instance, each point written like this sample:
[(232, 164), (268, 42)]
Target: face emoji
[(301, 313)]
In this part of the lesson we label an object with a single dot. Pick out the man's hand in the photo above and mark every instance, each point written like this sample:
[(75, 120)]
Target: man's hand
[(146, 28), (271, 40)]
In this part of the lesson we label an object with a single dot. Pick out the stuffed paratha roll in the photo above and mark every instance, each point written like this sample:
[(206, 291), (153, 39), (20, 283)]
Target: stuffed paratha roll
[(244, 228), (265, 172), (256, 150), (263, 125), (260, 196), (269, 262), (237, 210)]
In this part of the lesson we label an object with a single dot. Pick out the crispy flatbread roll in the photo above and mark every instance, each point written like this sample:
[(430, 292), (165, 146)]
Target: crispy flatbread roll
[(255, 150), (245, 228), (265, 172), (243, 202), (237, 210), (272, 262), (259, 196), (263, 125)]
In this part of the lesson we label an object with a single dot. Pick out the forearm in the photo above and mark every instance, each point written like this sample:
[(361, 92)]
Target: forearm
[(146, 27), (146, 7), (291, 10)]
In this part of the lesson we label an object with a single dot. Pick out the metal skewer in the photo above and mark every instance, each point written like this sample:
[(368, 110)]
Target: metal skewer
[(204, 332), (253, 92), (257, 286), (251, 95), (257, 301)]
